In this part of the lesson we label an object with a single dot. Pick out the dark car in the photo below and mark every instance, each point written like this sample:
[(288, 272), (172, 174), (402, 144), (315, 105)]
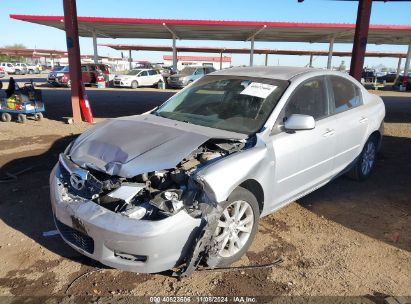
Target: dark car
[(389, 77), (89, 72), (405, 81), (51, 78)]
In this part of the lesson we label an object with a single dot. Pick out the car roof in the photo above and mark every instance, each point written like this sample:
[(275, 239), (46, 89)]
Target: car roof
[(275, 72)]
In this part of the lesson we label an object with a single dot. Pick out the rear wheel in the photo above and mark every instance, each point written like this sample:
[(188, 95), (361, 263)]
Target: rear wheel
[(22, 118), (38, 116), (31, 72), (134, 84), (366, 160), (5, 117), (237, 226)]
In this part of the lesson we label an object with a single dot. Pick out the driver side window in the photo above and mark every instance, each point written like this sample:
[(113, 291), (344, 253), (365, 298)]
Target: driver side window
[(310, 98)]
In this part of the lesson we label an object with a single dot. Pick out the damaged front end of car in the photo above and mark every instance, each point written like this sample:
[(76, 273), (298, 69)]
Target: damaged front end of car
[(148, 198)]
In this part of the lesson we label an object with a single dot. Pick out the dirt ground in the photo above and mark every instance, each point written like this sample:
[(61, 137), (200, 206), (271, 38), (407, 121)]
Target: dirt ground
[(345, 239)]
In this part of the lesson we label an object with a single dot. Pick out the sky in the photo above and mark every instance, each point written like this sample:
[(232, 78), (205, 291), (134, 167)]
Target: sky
[(39, 36)]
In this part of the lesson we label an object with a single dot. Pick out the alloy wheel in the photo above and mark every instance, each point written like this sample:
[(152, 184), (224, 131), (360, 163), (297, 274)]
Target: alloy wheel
[(234, 228), (368, 158)]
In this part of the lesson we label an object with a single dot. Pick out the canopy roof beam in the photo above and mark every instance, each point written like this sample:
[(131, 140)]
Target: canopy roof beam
[(256, 32), (172, 32)]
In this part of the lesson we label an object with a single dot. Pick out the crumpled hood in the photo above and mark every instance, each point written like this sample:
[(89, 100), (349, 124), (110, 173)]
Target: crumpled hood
[(134, 145)]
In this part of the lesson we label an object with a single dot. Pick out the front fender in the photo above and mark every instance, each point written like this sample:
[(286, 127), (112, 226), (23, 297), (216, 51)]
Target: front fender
[(222, 177)]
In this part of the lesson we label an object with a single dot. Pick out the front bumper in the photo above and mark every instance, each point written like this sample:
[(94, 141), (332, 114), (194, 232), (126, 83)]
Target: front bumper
[(118, 241), (121, 83), (176, 83)]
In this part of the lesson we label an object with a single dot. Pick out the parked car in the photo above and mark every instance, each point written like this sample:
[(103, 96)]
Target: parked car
[(142, 65), (8, 67), (89, 72), (30, 69), (188, 75), (51, 77), (405, 81), (188, 181), (21, 68), (138, 78), (2, 72), (388, 78)]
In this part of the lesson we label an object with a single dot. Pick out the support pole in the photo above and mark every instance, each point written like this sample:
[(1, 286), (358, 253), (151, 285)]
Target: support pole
[(360, 38), (330, 53), (407, 61), (266, 60), (73, 50), (52, 62), (174, 54), (221, 60), (311, 60), (130, 60), (252, 51), (95, 47), (398, 69)]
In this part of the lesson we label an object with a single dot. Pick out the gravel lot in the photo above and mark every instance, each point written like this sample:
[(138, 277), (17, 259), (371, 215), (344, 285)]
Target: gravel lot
[(345, 239)]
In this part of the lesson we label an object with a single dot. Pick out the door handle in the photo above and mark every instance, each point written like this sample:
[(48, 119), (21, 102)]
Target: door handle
[(329, 132), (363, 119)]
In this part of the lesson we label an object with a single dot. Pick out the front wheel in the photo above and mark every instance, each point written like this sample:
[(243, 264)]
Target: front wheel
[(5, 117), (366, 160), (237, 226), (134, 84)]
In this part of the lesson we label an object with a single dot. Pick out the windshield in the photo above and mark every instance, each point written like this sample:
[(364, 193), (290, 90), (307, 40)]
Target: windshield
[(232, 103), (187, 71), (133, 72)]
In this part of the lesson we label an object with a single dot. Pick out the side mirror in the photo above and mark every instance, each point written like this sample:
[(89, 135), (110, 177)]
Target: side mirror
[(299, 122)]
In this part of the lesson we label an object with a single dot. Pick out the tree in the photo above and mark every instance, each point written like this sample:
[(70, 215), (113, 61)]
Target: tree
[(12, 46), (16, 46)]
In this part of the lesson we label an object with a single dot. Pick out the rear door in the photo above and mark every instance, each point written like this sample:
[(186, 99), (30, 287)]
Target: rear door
[(152, 77), (352, 120), (303, 159), (143, 78)]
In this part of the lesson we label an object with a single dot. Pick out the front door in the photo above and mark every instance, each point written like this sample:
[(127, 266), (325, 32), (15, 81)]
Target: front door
[(303, 159)]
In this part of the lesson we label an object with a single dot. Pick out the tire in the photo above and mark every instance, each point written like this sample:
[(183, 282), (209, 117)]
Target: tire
[(366, 161), (134, 84), (232, 250), (69, 84), (30, 71), (17, 72), (22, 118), (38, 116), (5, 117)]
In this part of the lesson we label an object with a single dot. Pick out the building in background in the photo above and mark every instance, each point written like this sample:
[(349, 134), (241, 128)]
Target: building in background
[(183, 61)]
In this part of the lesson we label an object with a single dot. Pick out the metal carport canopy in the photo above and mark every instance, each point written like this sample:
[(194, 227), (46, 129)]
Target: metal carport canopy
[(231, 50), (106, 27)]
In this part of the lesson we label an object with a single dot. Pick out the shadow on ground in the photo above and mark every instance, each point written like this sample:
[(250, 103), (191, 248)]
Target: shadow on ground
[(380, 206), (25, 203)]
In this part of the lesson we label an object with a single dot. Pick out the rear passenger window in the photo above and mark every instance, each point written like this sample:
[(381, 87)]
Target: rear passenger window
[(310, 98), (152, 72), (346, 94)]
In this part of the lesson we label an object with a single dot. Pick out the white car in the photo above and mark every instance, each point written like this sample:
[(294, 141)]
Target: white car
[(30, 69), (188, 182), (138, 78), (8, 67)]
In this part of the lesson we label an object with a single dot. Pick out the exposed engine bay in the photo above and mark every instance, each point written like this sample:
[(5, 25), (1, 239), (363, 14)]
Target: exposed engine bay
[(155, 195), (160, 194)]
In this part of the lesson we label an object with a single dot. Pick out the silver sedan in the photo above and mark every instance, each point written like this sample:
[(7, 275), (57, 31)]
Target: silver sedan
[(188, 182)]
